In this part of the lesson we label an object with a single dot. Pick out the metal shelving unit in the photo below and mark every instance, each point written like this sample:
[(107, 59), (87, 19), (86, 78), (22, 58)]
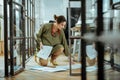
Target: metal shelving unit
[(100, 46), (71, 37)]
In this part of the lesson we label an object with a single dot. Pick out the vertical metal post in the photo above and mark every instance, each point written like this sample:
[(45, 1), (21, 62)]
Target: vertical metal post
[(33, 19), (28, 53), (99, 45), (5, 39), (111, 15), (111, 28), (34, 23), (69, 26), (83, 43), (11, 38), (23, 29), (30, 28)]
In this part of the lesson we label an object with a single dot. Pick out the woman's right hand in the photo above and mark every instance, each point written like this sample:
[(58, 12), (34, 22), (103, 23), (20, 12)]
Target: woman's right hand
[(41, 45), (72, 60)]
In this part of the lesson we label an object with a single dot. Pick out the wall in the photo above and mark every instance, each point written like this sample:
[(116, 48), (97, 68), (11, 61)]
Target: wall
[(52, 7), (1, 21), (57, 7), (45, 9)]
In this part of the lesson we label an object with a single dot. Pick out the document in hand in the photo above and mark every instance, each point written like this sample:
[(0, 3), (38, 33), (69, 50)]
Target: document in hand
[(91, 52), (44, 52)]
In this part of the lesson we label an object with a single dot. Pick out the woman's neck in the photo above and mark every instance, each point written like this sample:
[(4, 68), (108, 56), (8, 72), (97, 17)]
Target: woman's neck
[(55, 27)]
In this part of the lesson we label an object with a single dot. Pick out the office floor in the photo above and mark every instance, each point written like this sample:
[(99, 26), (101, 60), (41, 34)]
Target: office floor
[(28, 74)]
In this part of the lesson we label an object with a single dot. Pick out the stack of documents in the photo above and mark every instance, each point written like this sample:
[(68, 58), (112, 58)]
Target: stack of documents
[(44, 52)]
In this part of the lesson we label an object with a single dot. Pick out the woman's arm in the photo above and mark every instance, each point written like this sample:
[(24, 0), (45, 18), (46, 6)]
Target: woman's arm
[(64, 42), (66, 48), (38, 37)]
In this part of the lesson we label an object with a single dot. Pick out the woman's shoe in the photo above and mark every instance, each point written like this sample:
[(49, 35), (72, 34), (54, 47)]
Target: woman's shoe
[(91, 62), (53, 62)]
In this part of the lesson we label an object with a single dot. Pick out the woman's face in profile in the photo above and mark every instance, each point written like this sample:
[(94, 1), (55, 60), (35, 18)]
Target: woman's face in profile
[(61, 25)]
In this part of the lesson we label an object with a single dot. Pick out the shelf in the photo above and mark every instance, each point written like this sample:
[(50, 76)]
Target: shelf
[(75, 37)]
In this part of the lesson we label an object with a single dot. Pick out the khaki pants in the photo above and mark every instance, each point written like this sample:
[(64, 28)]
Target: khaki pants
[(57, 50)]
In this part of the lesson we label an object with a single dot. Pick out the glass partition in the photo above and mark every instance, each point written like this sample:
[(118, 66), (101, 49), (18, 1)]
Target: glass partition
[(19, 29)]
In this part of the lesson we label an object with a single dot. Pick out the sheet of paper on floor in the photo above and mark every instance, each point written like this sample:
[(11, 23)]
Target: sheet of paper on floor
[(57, 68), (91, 68)]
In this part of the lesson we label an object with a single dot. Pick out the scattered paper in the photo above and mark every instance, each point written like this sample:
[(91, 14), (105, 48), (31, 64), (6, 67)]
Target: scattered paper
[(56, 69), (66, 67), (91, 68), (48, 69)]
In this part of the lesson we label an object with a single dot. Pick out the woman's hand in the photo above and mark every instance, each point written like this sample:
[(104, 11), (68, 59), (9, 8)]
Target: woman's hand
[(41, 45), (72, 60)]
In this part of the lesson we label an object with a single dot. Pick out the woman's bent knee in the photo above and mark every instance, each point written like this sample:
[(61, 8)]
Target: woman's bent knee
[(43, 62)]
